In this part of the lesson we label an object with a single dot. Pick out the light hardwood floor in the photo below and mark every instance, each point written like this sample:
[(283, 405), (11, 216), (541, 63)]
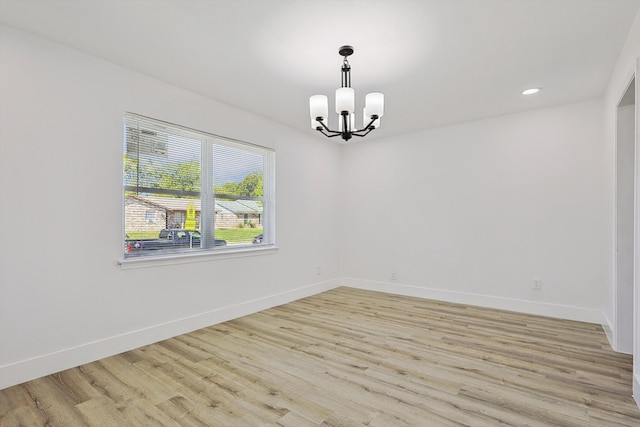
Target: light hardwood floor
[(348, 358)]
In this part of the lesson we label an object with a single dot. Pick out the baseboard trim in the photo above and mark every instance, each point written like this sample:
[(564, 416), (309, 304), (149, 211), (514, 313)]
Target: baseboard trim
[(25, 370), (636, 388), (511, 304), (607, 326)]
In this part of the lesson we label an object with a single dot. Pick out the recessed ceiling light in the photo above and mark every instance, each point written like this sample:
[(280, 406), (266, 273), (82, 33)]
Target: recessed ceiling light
[(531, 91)]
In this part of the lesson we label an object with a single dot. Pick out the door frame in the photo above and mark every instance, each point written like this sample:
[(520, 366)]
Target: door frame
[(626, 219)]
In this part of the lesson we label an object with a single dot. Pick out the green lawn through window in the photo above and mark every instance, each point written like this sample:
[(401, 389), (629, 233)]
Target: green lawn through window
[(237, 235)]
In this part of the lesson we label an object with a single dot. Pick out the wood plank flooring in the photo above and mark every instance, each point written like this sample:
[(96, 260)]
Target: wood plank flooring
[(348, 357)]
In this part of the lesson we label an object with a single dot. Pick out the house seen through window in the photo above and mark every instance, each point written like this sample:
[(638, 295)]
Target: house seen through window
[(186, 190)]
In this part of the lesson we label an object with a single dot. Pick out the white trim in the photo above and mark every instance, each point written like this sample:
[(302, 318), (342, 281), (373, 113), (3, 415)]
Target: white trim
[(636, 277), (622, 342), (501, 303), (25, 370), (636, 389), (196, 256), (606, 324)]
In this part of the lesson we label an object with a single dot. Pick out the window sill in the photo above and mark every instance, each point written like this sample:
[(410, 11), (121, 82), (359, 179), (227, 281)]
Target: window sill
[(185, 258)]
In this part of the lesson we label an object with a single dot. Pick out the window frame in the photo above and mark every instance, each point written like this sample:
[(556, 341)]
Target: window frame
[(207, 199)]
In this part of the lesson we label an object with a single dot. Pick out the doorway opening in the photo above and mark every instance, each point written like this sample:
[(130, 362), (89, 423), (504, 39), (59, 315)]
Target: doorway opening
[(625, 216)]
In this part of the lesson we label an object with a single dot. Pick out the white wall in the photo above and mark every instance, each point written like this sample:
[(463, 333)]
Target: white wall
[(473, 212), (64, 300)]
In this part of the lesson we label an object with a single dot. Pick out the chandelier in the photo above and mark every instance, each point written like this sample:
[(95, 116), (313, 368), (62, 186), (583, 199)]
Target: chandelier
[(345, 106)]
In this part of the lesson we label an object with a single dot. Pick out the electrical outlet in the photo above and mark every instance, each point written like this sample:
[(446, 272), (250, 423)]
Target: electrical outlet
[(536, 284), (318, 271), (394, 275)]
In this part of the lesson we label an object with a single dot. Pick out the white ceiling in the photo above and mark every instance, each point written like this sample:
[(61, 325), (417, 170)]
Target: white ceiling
[(437, 61)]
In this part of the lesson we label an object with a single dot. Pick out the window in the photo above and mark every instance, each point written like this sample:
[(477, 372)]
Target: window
[(150, 217), (187, 191)]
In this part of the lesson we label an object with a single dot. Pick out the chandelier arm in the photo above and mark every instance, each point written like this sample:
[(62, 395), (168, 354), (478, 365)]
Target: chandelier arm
[(358, 133), (327, 135), (367, 128), (319, 120)]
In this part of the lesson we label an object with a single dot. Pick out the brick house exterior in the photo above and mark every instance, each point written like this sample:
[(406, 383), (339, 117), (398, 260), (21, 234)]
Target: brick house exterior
[(153, 213)]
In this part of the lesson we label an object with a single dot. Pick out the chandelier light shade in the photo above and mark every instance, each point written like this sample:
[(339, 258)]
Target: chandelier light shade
[(345, 100), (345, 107), (319, 105)]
